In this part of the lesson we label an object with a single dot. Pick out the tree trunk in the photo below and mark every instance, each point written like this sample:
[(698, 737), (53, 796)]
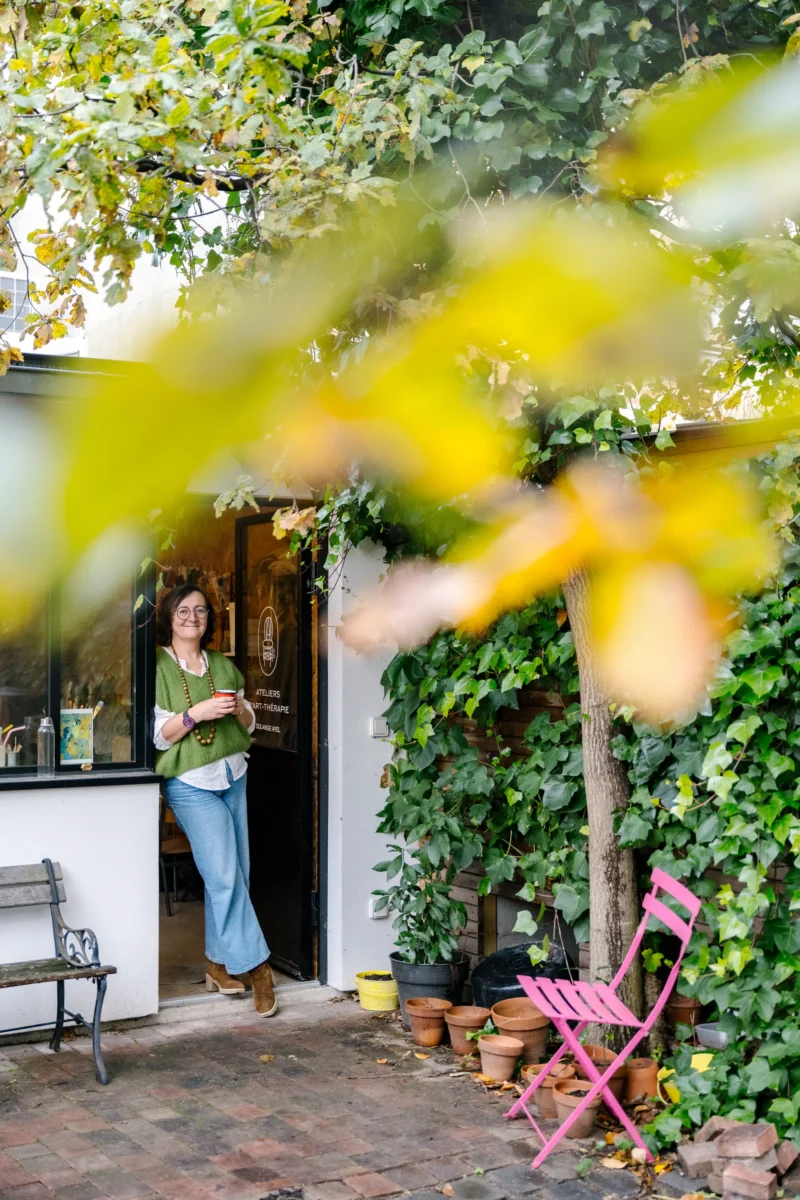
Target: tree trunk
[(657, 1038), (613, 893)]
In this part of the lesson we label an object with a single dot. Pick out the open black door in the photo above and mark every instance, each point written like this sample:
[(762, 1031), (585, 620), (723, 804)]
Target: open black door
[(274, 653)]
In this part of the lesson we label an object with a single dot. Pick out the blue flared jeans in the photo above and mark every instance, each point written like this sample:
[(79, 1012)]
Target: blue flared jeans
[(216, 825)]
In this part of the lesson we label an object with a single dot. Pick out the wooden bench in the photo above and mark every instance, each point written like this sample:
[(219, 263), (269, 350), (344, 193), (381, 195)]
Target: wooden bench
[(77, 953)]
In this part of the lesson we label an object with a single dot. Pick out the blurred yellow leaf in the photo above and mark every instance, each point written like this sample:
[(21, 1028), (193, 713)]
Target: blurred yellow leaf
[(662, 557), (417, 1054), (613, 1164), (725, 144), (656, 639), (602, 302)]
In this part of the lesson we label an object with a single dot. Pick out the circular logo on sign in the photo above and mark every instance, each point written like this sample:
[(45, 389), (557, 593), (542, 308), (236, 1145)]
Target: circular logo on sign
[(268, 640)]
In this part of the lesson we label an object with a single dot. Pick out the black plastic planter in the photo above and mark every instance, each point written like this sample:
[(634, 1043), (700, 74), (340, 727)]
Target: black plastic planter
[(444, 980)]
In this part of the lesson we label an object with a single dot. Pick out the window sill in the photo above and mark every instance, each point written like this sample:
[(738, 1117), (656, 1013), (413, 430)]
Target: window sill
[(96, 778)]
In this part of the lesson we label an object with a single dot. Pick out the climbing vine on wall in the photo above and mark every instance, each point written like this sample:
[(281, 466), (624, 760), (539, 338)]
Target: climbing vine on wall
[(715, 802)]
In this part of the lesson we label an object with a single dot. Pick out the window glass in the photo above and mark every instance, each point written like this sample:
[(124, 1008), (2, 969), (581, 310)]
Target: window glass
[(23, 691), (13, 319), (97, 678)]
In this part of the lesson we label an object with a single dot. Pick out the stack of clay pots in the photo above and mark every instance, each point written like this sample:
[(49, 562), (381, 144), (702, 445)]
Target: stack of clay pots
[(520, 1018), (522, 1032)]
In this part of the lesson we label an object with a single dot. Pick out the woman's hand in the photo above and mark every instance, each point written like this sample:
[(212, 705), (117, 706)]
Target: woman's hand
[(212, 710)]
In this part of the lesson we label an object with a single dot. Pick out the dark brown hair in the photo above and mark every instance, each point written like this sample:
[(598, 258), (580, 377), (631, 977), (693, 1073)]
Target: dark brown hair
[(172, 600)]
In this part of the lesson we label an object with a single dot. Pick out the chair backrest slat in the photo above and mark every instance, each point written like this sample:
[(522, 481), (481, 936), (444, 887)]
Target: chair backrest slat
[(667, 917), (23, 886), (677, 890)]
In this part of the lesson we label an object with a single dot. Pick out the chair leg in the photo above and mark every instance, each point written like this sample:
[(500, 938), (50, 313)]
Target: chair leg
[(55, 1040), (599, 1084), (164, 886), (101, 983)]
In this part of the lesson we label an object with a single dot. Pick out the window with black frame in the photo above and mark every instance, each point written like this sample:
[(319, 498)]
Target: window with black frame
[(89, 676)]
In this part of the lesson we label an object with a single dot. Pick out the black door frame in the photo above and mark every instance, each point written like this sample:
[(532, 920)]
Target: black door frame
[(311, 867)]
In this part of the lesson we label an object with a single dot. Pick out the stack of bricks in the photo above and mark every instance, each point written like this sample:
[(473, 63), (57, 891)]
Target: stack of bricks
[(741, 1162)]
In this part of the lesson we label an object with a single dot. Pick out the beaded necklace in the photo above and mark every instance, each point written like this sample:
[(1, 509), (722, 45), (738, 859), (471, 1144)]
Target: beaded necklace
[(213, 728)]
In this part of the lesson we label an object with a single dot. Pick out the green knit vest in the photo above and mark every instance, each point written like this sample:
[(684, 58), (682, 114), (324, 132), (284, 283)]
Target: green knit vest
[(230, 738)]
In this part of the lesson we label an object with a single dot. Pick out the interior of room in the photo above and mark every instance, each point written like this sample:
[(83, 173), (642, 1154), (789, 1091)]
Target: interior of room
[(199, 547)]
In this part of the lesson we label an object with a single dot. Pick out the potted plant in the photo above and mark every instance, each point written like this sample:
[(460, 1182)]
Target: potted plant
[(427, 961)]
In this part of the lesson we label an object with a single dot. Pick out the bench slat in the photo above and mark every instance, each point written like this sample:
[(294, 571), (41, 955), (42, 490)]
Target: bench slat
[(32, 873), (46, 970), (23, 894)]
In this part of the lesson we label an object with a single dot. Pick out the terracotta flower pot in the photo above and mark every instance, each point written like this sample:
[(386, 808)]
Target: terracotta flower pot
[(520, 1018), (567, 1094), (499, 1055), (463, 1019), (602, 1057), (642, 1079), (544, 1093), (426, 1014), (683, 1010)]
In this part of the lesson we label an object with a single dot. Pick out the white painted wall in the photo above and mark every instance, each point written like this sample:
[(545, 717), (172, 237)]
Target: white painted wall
[(355, 763), (106, 839)]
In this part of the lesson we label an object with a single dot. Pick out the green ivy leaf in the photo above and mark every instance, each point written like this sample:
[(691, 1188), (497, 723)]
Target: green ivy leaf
[(525, 923), (760, 1077), (570, 902), (731, 926), (762, 679)]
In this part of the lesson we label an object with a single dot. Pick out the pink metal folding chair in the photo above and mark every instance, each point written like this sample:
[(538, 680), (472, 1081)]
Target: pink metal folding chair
[(598, 1003)]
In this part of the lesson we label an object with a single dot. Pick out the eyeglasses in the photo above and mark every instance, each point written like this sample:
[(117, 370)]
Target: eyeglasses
[(183, 614)]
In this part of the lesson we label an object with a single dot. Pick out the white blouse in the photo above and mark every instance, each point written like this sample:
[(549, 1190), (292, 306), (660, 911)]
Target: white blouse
[(212, 777)]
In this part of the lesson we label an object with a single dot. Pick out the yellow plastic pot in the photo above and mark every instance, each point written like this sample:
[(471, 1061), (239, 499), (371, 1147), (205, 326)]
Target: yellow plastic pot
[(377, 995)]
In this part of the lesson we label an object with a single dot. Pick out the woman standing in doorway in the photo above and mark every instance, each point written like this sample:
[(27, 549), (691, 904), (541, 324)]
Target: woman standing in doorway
[(202, 731)]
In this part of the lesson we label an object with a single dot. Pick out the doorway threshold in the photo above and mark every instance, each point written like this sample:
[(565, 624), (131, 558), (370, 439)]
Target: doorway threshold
[(281, 989)]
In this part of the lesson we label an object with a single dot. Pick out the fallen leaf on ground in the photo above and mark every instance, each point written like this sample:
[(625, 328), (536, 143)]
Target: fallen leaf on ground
[(508, 1087), (639, 1155), (265, 1058), (418, 1055), (610, 1139), (614, 1164), (381, 1061), (661, 1167), (447, 1189)]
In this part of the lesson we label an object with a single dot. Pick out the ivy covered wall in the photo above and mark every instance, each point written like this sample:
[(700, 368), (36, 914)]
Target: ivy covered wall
[(715, 802)]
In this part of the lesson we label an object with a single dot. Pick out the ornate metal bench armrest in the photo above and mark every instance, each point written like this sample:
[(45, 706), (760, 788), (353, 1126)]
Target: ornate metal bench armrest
[(77, 946)]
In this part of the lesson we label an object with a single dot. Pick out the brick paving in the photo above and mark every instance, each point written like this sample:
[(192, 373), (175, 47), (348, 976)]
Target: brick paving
[(193, 1113)]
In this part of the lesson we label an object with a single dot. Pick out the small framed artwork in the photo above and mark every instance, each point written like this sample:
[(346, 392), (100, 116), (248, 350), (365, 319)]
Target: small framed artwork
[(77, 735)]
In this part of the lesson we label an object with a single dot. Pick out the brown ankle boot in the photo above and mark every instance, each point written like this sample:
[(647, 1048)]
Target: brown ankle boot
[(217, 977), (263, 990)]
